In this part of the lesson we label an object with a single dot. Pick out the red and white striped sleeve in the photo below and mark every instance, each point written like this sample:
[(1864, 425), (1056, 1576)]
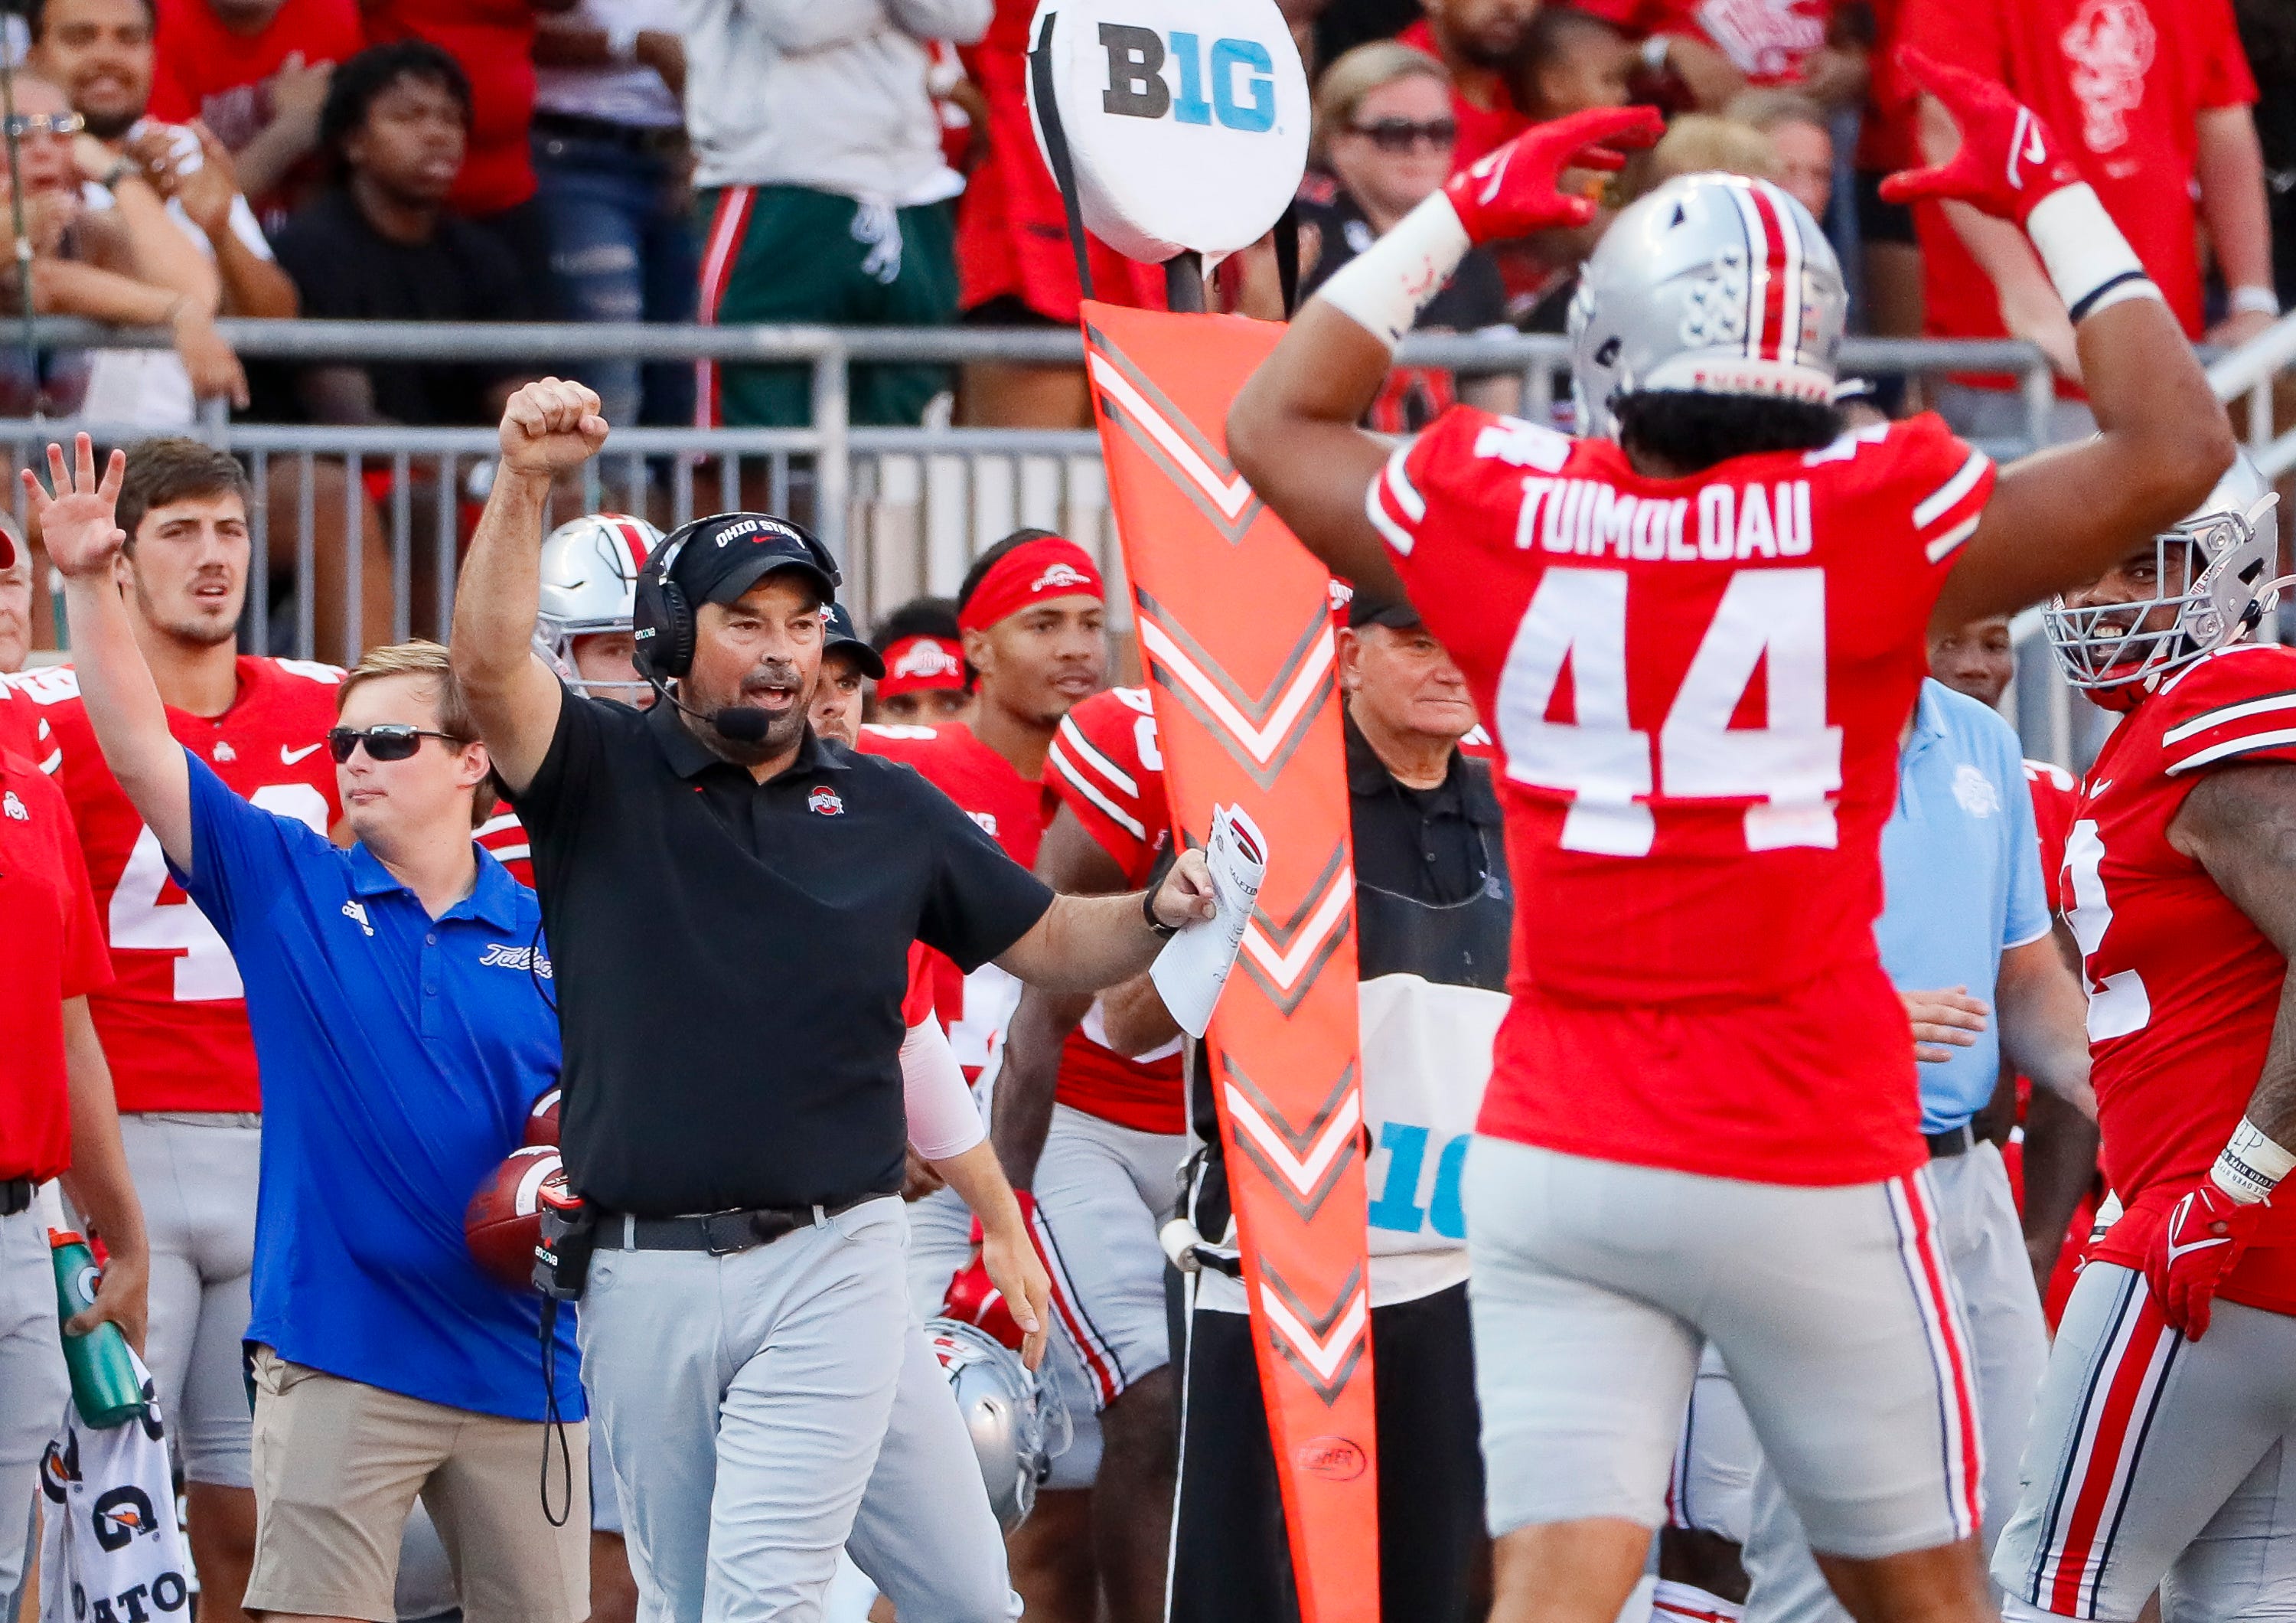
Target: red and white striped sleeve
[(1950, 482), (1106, 765), (2236, 705), (505, 838)]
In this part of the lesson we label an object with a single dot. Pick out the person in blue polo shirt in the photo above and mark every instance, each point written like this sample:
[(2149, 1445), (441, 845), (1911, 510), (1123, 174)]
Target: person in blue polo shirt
[(1967, 936), (396, 992)]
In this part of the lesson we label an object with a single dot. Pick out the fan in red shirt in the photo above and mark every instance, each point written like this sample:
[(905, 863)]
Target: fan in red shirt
[(1030, 615), (1478, 41), (2166, 1387), (1717, 48), (2154, 96), (257, 75), (174, 1024), (1698, 633)]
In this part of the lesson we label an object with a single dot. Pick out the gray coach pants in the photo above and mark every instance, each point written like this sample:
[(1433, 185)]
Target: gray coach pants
[(33, 1386), (2008, 1342), (743, 1401)]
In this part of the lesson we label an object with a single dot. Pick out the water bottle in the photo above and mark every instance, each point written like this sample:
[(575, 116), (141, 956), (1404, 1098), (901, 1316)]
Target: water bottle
[(103, 1383)]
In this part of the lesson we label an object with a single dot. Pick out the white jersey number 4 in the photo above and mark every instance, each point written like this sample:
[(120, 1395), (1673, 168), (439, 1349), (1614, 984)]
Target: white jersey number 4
[(2118, 1004), (1790, 765), (204, 969)]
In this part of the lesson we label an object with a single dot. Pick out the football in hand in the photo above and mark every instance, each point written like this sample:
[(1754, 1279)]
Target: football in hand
[(502, 1223)]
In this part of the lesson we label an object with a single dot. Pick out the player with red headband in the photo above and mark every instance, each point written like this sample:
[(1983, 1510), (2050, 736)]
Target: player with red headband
[(1030, 616), (924, 683), (1698, 632)]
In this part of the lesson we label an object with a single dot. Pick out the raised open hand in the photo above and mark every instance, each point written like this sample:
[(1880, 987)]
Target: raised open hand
[(1515, 191), (2008, 160), (79, 524)]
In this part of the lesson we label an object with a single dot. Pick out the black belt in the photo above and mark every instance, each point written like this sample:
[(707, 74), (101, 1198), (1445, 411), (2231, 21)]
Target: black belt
[(1953, 1141), (15, 1195), (719, 1233), (651, 139)]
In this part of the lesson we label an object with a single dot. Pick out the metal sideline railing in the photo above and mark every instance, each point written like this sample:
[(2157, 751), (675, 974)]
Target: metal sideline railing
[(904, 508)]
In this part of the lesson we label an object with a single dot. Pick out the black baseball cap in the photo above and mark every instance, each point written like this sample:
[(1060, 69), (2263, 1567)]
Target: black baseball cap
[(837, 633), (719, 557), (1364, 610)]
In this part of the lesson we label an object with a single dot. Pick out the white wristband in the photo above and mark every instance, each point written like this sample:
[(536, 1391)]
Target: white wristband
[(2086, 257), (2251, 1165), (2252, 301), (1383, 288)]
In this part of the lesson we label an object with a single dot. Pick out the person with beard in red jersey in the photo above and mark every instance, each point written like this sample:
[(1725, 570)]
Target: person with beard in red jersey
[(2157, 1444), (1031, 615), (173, 1023), (1478, 41)]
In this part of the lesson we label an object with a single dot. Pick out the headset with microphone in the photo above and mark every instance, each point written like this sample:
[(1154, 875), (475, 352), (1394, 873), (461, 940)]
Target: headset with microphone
[(662, 621)]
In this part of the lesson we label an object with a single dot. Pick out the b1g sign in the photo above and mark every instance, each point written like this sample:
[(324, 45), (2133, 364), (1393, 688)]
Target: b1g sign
[(1186, 119)]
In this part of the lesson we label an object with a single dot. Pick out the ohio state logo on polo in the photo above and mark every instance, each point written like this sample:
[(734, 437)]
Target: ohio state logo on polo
[(824, 801)]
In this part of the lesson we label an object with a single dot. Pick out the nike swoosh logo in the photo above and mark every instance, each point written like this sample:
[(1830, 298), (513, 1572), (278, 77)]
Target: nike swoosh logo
[(288, 757), (2176, 1250)]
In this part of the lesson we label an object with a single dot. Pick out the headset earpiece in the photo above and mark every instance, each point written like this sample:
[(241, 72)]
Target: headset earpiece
[(661, 620)]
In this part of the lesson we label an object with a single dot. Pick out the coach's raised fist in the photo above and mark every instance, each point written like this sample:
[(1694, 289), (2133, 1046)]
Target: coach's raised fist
[(78, 524), (1513, 191), (550, 426)]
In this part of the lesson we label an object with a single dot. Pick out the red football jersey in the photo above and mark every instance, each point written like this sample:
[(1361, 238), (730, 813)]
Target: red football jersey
[(2183, 990), (1697, 686), (23, 728), (174, 1023), (1104, 766), (1014, 811), (55, 946), (506, 837), (2123, 82), (2054, 790)]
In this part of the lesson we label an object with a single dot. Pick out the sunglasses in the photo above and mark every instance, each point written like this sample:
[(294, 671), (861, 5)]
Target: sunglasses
[(22, 124), (1401, 134), (390, 741)]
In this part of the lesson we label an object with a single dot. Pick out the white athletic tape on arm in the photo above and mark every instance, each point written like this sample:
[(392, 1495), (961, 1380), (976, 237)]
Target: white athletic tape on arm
[(944, 1121), (2251, 1165), (1383, 288), (2086, 257)]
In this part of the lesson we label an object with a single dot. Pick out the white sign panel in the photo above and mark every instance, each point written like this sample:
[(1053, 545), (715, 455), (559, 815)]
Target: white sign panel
[(1186, 119)]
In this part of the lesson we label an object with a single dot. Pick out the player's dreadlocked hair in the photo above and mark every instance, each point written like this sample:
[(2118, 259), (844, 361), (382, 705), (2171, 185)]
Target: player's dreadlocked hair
[(1693, 432)]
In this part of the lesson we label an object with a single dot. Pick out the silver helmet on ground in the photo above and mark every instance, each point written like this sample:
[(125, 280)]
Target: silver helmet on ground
[(2214, 574), (1004, 1411), (1711, 285), (589, 587)]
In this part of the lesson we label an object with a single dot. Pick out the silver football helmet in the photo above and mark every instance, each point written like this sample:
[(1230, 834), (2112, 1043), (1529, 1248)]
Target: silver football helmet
[(1004, 1410), (2214, 571), (1711, 285), (589, 585)]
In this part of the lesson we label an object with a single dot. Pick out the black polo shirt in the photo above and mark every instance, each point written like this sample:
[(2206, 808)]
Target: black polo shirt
[(1433, 845), (729, 957)]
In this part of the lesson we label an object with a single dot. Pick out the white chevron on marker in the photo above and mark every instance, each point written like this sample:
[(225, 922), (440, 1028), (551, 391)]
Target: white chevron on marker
[(1323, 1353), (1285, 967), (1230, 496), (1303, 1176), (1262, 742)]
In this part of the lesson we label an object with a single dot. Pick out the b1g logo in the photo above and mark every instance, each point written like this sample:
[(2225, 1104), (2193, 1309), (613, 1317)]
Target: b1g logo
[(1232, 82)]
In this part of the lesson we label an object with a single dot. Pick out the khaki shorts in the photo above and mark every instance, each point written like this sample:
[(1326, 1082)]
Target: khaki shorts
[(338, 1466)]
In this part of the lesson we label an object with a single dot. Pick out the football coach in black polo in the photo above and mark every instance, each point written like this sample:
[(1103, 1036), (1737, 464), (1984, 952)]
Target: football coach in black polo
[(730, 904)]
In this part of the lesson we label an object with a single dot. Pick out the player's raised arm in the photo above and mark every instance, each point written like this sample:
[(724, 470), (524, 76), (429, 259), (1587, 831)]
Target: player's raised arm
[(1293, 430), (80, 525), (2066, 514), (547, 426)]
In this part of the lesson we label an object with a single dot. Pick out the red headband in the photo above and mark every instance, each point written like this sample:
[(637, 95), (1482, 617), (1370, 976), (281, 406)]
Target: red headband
[(917, 664), (1032, 571)]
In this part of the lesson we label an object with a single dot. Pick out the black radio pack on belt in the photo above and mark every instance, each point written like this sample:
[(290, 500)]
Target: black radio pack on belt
[(561, 1268)]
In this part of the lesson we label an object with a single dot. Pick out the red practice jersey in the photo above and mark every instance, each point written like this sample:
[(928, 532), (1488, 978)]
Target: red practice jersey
[(174, 1024), (1106, 766), (1696, 686), (2183, 990), (505, 836), (56, 947), (1014, 811), (2054, 790), (24, 727)]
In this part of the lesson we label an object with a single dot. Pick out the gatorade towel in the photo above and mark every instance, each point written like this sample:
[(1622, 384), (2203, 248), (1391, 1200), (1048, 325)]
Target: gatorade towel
[(1235, 626)]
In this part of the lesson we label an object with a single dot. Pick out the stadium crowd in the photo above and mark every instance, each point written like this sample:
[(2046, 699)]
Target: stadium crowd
[(836, 942)]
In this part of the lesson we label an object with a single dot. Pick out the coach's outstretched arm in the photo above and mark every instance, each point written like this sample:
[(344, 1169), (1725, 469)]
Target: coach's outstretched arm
[(548, 427), (1293, 430), (1088, 944), (81, 530), (2065, 516)]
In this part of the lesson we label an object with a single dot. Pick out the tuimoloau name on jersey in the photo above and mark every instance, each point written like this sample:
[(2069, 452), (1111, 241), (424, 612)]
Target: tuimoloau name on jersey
[(1723, 524)]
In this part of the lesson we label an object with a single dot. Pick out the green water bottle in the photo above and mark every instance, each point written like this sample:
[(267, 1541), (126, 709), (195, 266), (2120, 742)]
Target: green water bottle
[(104, 1388)]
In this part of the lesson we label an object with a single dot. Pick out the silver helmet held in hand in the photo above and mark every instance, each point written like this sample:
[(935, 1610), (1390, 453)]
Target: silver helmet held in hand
[(589, 587), (1711, 285), (1003, 1411), (2215, 571)]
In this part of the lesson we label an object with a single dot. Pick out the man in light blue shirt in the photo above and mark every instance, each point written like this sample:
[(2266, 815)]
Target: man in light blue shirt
[(1965, 913)]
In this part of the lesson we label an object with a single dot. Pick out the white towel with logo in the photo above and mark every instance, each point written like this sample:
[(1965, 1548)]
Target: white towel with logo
[(110, 1551)]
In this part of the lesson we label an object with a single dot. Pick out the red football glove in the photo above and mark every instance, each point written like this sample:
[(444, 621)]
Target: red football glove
[(2008, 160), (1510, 192), (2195, 1251), (974, 1299)]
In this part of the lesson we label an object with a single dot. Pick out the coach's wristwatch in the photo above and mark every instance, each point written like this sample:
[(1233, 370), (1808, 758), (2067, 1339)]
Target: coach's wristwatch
[(1164, 932)]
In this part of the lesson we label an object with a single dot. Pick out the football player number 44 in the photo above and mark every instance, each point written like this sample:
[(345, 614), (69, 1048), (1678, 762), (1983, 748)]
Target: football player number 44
[(204, 968), (1787, 767)]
